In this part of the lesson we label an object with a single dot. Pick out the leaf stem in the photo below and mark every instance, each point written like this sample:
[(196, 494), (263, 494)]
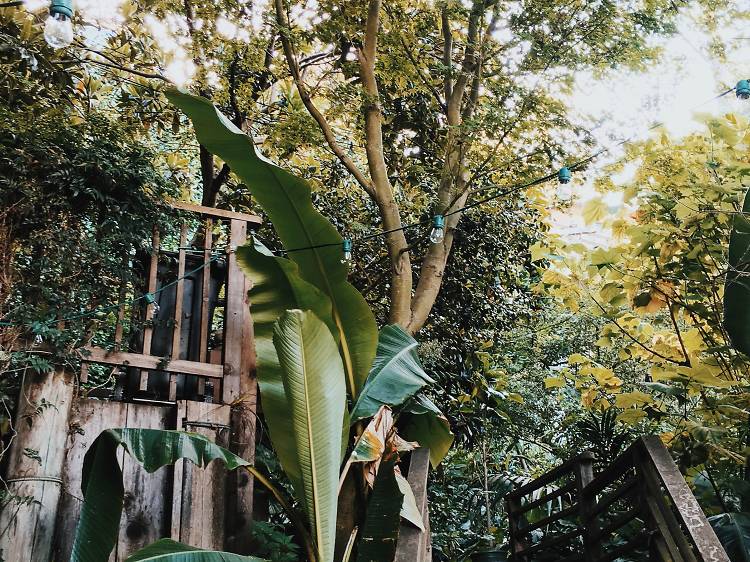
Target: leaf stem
[(312, 555)]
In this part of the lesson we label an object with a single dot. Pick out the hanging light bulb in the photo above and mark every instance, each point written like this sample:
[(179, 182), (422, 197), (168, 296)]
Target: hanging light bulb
[(564, 175), (58, 31), (438, 229), (346, 247), (742, 89), (38, 339), (150, 299)]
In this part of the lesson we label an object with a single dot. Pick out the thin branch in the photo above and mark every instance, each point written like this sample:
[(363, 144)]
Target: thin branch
[(291, 58)]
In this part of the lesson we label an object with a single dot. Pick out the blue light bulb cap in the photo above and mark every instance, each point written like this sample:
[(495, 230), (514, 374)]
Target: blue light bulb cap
[(438, 221), (742, 89), (564, 175), (346, 245), (63, 7), (150, 298)]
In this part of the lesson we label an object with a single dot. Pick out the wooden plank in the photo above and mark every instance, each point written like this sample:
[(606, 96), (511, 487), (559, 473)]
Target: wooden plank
[(89, 418), (549, 477), (216, 213), (179, 294), (27, 530), (236, 319), (151, 362), (667, 524), (146, 509), (549, 497), (563, 513), (148, 331), (84, 376), (199, 519), (584, 474), (120, 315), (205, 321), (411, 546), (689, 511)]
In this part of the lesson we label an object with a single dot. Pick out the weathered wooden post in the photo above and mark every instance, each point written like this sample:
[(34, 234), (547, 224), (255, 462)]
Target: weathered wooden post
[(35, 467), (413, 543), (584, 474)]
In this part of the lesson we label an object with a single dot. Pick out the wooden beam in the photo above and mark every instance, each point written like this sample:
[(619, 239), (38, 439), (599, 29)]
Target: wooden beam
[(411, 545), (148, 332), (153, 363), (216, 213), (688, 510)]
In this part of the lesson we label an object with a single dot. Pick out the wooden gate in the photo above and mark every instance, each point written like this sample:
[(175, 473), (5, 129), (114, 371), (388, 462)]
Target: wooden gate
[(182, 355)]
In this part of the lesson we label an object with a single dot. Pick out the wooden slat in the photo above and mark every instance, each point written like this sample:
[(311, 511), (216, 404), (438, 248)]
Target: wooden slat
[(152, 362), (611, 473), (584, 473), (205, 321), (84, 376), (179, 294), (199, 518), (148, 331), (120, 315), (216, 213), (548, 497), (236, 322), (411, 546), (549, 477), (551, 542), (625, 490), (550, 519), (617, 522), (667, 523), (689, 511)]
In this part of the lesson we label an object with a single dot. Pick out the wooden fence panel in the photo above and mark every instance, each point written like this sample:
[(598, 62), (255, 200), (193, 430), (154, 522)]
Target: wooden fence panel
[(147, 503)]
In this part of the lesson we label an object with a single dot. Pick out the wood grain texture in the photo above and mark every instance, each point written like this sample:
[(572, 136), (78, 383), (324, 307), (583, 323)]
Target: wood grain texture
[(147, 507), (28, 530), (413, 545), (152, 362), (198, 494)]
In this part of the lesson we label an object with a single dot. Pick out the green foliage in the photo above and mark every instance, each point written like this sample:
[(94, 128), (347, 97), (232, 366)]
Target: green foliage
[(167, 550), (733, 530), (313, 379), (272, 543), (380, 531), (102, 487), (396, 374), (736, 288)]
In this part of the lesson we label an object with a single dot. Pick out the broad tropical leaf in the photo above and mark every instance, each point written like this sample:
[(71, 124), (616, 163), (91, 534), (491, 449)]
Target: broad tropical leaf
[(96, 533), (396, 374), (426, 425), (313, 380), (286, 199), (278, 287), (737, 285), (167, 550), (733, 530), (379, 535)]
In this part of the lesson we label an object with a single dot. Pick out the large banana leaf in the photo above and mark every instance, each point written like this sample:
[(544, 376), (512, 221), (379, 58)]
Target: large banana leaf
[(276, 288), (425, 424), (167, 550), (396, 374), (312, 375), (737, 285), (379, 535), (733, 530), (286, 199), (96, 533)]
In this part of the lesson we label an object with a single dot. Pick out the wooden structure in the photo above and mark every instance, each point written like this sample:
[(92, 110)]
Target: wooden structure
[(189, 366), (413, 544), (637, 508)]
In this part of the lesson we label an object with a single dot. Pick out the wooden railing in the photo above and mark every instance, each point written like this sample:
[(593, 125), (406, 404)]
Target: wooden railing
[(202, 330), (637, 508)]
